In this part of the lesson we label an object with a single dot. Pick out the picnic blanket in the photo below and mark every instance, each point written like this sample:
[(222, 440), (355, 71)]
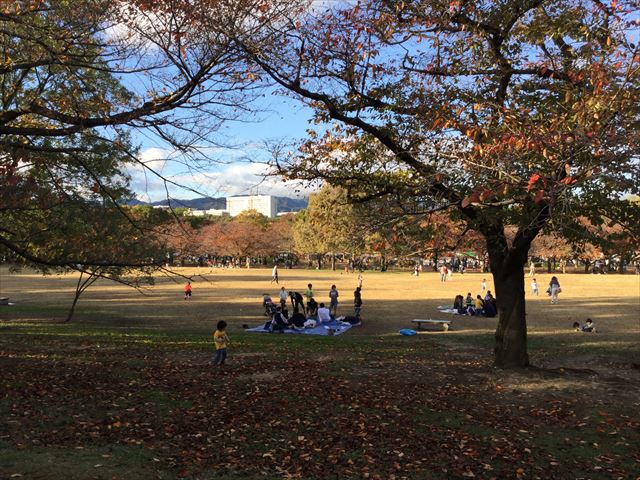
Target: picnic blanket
[(448, 309), (336, 325)]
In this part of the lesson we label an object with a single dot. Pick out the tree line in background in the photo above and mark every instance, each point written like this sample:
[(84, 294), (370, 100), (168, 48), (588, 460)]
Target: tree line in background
[(332, 230)]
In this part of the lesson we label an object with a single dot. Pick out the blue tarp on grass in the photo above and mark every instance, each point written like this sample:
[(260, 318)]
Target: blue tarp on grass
[(337, 326)]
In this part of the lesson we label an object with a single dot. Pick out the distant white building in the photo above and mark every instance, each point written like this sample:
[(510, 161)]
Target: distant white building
[(264, 204), (214, 212)]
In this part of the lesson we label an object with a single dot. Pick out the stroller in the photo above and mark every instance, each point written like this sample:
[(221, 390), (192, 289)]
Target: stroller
[(269, 306)]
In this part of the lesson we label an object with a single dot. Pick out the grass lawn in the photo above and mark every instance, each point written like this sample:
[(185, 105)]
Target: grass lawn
[(126, 390)]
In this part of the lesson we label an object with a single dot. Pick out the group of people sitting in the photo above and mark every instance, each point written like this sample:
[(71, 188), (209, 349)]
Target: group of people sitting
[(308, 315), (478, 307), (281, 320), (588, 327)]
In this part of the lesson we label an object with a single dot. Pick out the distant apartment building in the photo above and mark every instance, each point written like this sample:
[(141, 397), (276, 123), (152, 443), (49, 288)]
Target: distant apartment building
[(264, 204), (214, 212)]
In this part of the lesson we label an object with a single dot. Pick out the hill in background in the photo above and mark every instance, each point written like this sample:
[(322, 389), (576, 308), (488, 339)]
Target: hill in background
[(284, 204)]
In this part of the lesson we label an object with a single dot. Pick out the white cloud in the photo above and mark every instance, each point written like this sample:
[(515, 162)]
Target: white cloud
[(238, 178), (242, 179)]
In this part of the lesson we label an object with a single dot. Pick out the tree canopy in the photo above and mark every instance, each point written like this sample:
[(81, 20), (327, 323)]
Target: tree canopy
[(505, 113), (80, 81)]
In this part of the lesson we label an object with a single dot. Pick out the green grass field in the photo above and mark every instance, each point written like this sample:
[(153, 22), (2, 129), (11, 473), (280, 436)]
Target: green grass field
[(126, 390)]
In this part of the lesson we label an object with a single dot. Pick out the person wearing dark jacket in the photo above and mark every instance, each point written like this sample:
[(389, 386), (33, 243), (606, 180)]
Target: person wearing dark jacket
[(297, 301), (357, 301)]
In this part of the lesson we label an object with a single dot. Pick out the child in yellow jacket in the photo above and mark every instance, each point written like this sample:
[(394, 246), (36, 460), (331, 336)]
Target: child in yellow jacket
[(220, 340)]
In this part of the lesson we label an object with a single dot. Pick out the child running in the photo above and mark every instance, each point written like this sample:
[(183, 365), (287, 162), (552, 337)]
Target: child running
[(220, 339), (534, 287)]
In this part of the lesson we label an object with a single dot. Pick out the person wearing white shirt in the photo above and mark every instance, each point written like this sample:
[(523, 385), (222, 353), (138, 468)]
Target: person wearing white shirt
[(283, 297), (324, 315)]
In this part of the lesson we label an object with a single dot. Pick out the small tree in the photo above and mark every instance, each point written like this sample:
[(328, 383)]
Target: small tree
[(330, 224)]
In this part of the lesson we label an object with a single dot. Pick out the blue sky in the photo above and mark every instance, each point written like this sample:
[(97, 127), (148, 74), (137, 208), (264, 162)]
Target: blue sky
[(235, 170)]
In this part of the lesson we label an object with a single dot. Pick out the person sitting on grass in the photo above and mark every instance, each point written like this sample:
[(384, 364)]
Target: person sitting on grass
[(468, 302), (324, 314), (577, 327), (458, 304), (589, 327), (312, 307), (278, 321), (490, 305), (297, 320), (479, 310)]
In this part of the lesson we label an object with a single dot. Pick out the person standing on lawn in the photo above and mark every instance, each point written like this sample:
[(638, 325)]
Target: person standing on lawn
[(283, 298), (309, 292), (333, 300), (187, 291), (274, 274), (357, 302), (554, 290), (220, 340)]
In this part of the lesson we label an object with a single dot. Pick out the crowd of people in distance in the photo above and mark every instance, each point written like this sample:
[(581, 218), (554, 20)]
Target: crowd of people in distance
[(480, 307), (306, 311)]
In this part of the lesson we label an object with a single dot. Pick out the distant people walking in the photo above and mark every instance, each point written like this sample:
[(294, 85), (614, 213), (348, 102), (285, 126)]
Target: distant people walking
[(443, 273), (220, 339), (357, 302), (274, 274), (360, 278), (534, 287), (416, 271), (554, 289), (187, 291), (333, 300), (532, 269), (483, 286)]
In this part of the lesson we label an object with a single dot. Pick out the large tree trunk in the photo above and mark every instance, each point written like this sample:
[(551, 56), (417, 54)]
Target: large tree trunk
[(511, 335), (333, 262), (507, 267)]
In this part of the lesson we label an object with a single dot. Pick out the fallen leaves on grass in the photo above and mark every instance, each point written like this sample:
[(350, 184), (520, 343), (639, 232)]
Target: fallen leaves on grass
[(355, 416)]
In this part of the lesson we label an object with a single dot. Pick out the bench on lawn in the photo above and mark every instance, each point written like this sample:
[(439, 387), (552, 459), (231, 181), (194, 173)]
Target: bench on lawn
[(443, 323)]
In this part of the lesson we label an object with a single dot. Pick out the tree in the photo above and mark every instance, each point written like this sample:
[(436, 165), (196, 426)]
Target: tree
[(329, 224), (76, 79), (248, 235), (550, 246), (504, 113)]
